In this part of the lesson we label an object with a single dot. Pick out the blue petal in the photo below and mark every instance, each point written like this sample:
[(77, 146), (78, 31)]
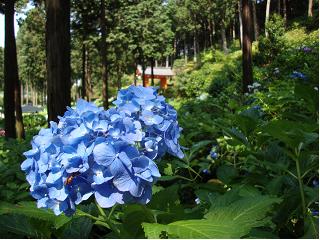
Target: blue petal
[(104, 154), (27, 164)]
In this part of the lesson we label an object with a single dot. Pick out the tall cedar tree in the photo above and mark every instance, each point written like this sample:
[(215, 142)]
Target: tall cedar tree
[(58, 57), (267, 16), (247, 46), (310, 6), (103, 51), (12, 97)]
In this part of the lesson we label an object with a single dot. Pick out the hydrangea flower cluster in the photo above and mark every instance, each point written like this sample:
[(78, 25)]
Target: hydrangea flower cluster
[(306, 49), (254, 87), (298, 75), (109, 154)]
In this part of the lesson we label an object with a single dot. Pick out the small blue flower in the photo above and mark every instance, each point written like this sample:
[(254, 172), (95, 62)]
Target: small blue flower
[(206, 171), (197, 201), (213, 155), (315, 213), (298, 75), (315, 183), (256, 107)]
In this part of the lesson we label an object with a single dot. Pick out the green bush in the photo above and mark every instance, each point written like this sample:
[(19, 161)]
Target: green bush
[(270, 46)]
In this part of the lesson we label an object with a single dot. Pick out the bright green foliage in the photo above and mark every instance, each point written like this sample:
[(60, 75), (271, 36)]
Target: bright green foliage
[(222, 221), (262, 180), (31, 49)]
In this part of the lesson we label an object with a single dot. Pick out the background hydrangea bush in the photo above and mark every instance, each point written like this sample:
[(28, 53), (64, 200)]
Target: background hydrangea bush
[(111, 154)]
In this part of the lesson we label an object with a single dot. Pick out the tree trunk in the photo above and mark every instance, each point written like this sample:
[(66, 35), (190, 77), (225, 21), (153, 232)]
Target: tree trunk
[(36, 98), (167, 62), (135, 74), (234, 30), (247, 78), (255, 22), (10, 71), (210, 34), (285, 11), (58, 57), (213, 28), (267, 17), (310, 6), (88, 79), (119, 78), (103, 51), (27, 91), (195, 47), (240, 23), (32, 96), (279, 7), (152, 75), (185, 50), (83, 78), (21, 93), (223, 38), (143, 75)]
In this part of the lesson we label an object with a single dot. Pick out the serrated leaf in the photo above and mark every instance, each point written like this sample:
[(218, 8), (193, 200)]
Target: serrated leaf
[(231, 221), (77, 228), (237, 135), (25, 226), (133, 216), (29, 209), (226, 173)]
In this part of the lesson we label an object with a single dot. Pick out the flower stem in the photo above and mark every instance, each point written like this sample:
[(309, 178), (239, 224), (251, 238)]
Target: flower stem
[(112, 210), (303, 201), (106, 219), (84, 214)]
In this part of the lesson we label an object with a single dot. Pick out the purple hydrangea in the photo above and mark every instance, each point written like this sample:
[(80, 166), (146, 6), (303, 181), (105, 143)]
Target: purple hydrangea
[(109, 154), (306, 49)]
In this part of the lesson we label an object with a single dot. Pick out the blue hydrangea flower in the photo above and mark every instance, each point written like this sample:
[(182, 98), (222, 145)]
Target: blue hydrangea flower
[(213, 155), (206, 171), (298, 75), (110, 155)]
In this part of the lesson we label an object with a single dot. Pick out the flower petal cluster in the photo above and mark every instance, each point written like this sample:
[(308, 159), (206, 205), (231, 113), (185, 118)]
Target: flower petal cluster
[(109, 154), (298, 75)]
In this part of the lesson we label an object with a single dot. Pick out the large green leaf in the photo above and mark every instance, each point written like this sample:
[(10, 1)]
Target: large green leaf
[(226, 173), (133, 216), (234, 220), (309, 95), (24, 226), (292, 133), (29, 209), (77, 228)]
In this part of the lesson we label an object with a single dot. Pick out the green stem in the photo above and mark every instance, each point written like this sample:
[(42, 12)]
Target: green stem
[(83, 214), (101, 210), (112, 210), (303, 201), (107, 220)]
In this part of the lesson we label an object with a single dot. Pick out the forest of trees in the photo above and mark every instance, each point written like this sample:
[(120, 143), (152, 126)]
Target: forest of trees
[(70, 49)]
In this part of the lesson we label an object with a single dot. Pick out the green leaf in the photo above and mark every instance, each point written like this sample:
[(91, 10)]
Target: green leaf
[(25, 226), (309, 95), (29, 209), (226, 173), (133, 216), (292, 133), (237, 135), (79, 227), (222, 221), (247, 120)]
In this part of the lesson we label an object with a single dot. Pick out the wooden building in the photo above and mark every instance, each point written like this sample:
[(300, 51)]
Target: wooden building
[(164, 74)]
